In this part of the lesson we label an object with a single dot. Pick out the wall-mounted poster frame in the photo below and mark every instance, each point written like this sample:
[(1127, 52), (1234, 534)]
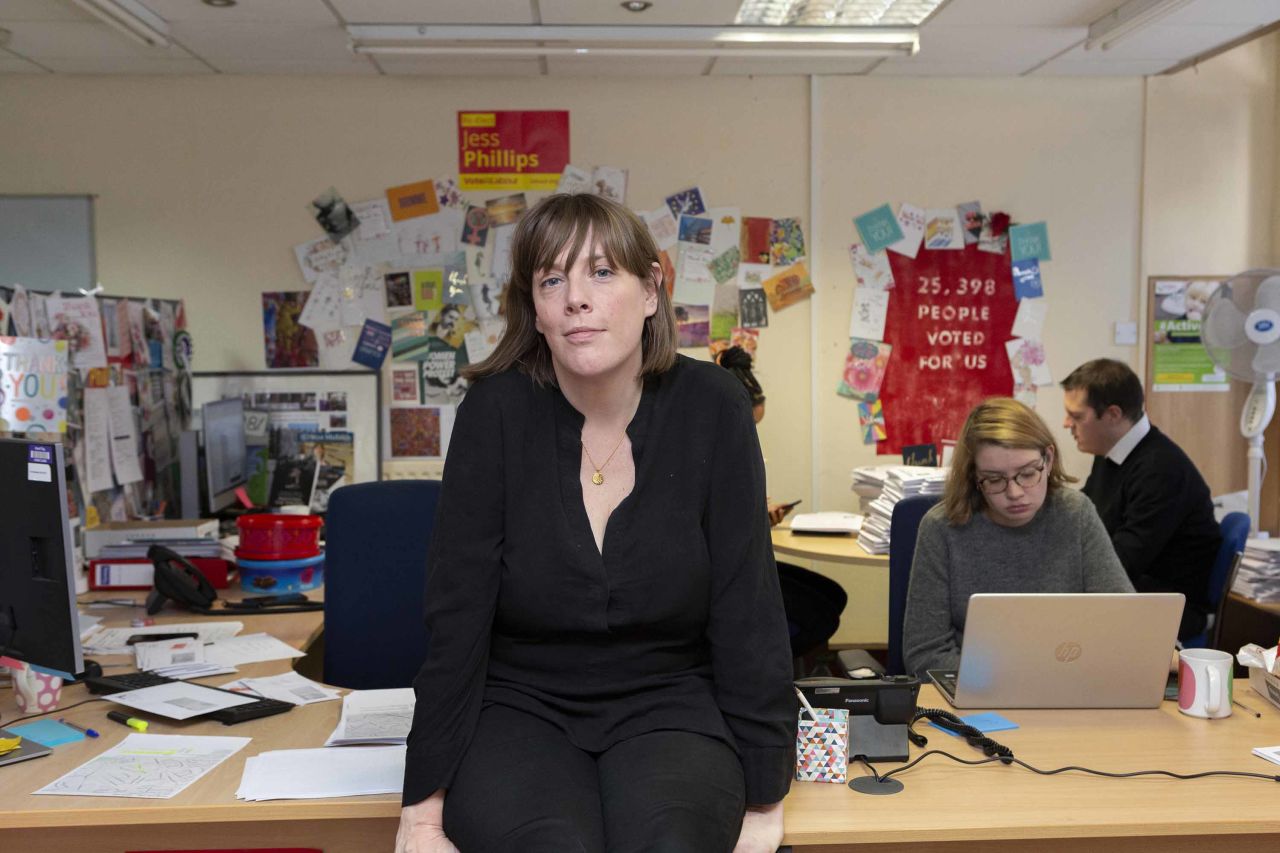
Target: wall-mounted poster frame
[(363, 401)]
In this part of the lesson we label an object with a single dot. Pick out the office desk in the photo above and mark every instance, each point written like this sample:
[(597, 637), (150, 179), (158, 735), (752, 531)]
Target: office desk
[(830, 549), (958, 809), (945, 806)]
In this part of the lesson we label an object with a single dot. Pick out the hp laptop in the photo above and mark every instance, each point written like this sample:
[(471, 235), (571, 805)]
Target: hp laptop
[(1076, 650)]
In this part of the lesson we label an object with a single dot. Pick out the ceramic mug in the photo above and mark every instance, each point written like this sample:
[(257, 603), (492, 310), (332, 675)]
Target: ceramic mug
[(35, 692), (1205, 683)]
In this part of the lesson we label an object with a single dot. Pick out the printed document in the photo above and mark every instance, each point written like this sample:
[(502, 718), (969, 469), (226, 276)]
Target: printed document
[(151, 766)]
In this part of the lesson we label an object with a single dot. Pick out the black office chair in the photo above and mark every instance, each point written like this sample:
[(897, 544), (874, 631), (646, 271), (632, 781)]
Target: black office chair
[(376, 541), (904, 524)]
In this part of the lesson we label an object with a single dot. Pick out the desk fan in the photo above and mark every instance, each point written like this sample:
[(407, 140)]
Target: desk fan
[(1241, 333)]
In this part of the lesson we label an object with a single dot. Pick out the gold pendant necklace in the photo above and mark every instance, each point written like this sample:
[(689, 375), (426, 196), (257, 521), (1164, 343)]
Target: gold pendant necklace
[(598, 476)]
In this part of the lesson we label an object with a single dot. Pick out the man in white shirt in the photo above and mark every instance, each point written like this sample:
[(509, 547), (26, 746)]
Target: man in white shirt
[(1152, 500)]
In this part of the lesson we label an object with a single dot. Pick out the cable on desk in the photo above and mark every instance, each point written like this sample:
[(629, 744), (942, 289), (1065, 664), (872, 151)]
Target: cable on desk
[(53, 711), (1057, 770)]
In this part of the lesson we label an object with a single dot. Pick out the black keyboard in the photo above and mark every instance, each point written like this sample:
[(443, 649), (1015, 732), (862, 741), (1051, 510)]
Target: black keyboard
[(107, 684)]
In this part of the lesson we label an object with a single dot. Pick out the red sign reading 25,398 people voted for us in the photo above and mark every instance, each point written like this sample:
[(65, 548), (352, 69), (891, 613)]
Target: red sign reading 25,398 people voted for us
[(949, 317)]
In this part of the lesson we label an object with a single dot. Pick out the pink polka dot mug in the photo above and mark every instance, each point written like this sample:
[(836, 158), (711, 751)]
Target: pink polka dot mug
[(35, 692)]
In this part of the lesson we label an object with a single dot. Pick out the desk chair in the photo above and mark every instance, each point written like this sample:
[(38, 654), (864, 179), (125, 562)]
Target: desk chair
[(1235, 531), (376, 540), (904, 524)]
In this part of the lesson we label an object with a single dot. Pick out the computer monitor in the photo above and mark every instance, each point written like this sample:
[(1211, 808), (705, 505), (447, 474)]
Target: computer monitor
[(38, 620), (224, 451)]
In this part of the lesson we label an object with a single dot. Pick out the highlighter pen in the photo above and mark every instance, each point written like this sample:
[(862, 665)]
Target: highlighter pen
[(125, 720), (69, 724)]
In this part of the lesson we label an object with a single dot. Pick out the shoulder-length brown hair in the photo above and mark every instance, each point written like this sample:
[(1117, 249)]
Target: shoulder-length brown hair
[(1004, 422), (560, 224)]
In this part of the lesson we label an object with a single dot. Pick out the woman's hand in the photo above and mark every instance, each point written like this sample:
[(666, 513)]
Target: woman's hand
[(777, 512), (761, 829), (422, 827)]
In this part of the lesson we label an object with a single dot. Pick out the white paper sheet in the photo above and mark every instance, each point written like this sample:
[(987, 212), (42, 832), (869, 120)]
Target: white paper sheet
[(287, 687), (299, 774), (250, 648), (97, 440), (695, 285), (911, 221), (434, 234), (319, 256), (150, 766), (124, 436), (114, 641), (374, 242), (726, 228), (871, 270), (374, 716), (662, 225), (870, 310), (574, 179), (151, 656), (1029, 322), (320, 314), (178, 700)]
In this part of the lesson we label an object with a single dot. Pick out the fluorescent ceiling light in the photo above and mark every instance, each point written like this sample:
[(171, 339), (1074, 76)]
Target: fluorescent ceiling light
[(538, 40), (835, 13), (131, 18), (1128, 19)]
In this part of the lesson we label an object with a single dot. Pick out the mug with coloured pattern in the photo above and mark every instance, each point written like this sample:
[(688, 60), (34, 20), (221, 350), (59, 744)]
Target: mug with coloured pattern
[(35, 692), (1205, 683)]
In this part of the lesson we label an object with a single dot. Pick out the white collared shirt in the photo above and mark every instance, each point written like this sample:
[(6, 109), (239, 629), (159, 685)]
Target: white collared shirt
[(1122, 448)]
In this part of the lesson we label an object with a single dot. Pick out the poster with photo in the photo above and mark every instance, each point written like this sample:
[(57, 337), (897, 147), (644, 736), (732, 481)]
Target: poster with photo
[(287, 342)]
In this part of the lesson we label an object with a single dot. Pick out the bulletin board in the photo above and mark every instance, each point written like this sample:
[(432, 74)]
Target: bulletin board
[(948, 321)]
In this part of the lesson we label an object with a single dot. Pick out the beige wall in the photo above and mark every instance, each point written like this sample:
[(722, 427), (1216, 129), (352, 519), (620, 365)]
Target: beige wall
[(202, 185)]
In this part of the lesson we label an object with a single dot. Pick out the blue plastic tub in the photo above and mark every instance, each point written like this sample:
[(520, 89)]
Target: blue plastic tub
[(275, 576)]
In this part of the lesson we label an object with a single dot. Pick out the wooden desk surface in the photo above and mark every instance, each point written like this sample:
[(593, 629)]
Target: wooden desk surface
[(831, 549), (945, 806)]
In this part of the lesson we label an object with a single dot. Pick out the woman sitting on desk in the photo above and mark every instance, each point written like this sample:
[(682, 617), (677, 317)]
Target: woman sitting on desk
[(1006, 523), (608, 665)]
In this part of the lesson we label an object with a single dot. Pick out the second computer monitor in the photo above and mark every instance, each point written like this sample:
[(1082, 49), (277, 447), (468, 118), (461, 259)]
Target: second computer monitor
[(224, 451)]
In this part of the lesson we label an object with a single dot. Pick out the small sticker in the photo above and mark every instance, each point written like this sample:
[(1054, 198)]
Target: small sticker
[(39, 472), (40, 453)]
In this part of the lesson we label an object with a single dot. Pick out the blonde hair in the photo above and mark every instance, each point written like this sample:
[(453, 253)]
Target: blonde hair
[(1003, 422), (557, 225)]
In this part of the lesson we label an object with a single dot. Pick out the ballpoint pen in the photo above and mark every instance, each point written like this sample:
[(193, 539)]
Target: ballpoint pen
[(79, 728), (1246, 707)]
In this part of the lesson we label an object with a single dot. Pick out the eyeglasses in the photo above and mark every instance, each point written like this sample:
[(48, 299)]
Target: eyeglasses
[(994, 484)]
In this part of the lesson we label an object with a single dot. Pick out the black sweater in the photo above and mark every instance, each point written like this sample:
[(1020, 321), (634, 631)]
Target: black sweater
[(1158, 511), (678, 625)]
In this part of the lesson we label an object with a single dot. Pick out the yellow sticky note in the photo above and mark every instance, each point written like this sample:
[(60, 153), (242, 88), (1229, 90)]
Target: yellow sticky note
[(9, 744)]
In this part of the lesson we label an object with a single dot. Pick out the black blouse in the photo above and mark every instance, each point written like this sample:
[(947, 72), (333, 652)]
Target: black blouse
[(677, 625)]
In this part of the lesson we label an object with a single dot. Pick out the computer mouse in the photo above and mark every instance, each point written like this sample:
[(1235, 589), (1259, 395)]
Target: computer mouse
[(92, 669)]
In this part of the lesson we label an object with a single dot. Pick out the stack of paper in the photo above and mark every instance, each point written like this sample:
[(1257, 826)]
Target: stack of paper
[(1258, 577), (868, 481), (374, 716), (152, 766), (900, 481), (176, 659), (287, 687), (115, 641), (300, 774)]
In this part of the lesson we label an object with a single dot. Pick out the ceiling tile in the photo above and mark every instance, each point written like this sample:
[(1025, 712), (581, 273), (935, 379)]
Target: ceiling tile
[(266, 11), (1071, 68), (1003, 13), (703, 12), (41, 10), (125, 65), (1257, 12), (16, 65), (437, 66), (265, 42), (633, 67), (977, 44), (82, 41), (355, 66), (1172, 41), (737, 67), (992, 66), (435, 11)]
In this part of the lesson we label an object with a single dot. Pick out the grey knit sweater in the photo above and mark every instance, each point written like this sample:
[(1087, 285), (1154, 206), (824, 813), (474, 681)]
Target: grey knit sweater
[(1064, 548)]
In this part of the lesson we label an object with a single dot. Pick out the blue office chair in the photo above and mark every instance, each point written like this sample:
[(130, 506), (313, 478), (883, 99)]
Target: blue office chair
[(1235, 531), (903, 526), (376, 540)]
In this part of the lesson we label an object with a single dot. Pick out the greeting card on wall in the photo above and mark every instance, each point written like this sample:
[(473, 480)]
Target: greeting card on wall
[(864, 369), (947, 321), (33, 385), (288, 343)]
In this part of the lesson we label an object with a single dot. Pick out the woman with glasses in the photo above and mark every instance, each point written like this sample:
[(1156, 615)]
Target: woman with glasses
[(1006, 523)]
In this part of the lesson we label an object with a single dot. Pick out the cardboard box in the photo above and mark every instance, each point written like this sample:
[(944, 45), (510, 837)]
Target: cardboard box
[(1265, 684)]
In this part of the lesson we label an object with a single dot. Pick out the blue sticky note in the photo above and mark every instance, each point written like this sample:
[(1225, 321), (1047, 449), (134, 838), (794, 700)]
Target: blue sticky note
[(986, 722), (1030, 241), (1027, 283), (878, 228), (47, 732)]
